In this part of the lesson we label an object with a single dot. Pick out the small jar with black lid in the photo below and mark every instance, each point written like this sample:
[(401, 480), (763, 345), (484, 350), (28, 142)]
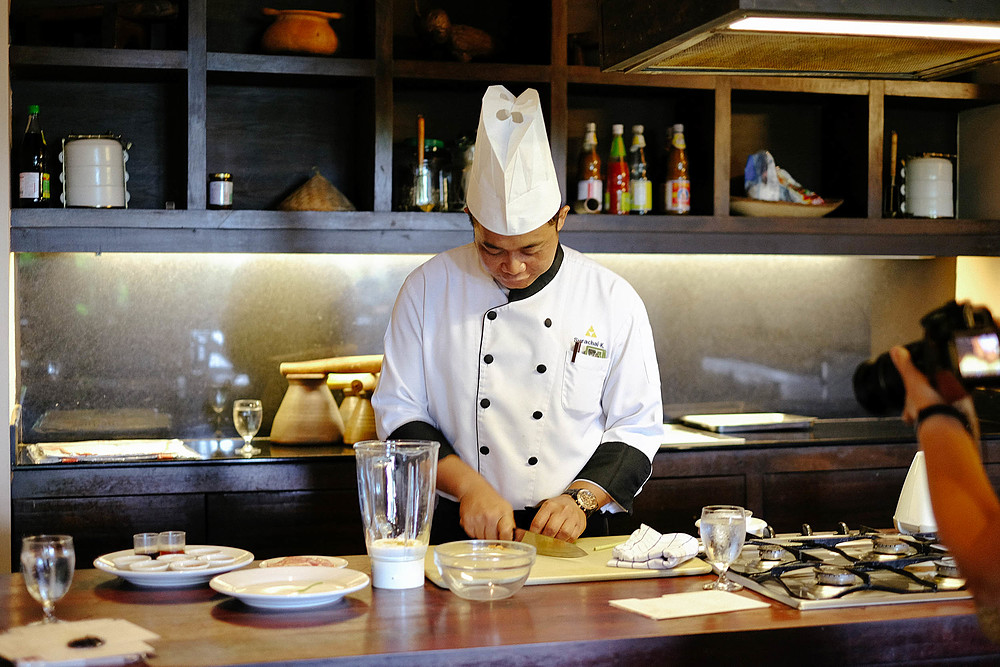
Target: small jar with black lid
[(220, 191)]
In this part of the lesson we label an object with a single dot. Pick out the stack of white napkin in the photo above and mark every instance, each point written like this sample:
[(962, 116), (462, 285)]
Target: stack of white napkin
[(647, 549)]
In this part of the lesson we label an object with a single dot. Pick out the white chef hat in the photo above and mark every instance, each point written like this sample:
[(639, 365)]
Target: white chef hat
[(512, 185)]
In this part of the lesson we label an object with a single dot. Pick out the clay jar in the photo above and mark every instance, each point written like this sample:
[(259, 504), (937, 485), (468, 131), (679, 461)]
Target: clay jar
[(300, 31), (307, 414)]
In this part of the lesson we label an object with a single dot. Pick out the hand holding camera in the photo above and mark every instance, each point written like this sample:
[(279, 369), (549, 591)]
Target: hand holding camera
[(960, 351)]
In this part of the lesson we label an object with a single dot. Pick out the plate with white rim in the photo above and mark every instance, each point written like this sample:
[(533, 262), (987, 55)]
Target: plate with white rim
[(295, 587), (220, 560), (304, 561)]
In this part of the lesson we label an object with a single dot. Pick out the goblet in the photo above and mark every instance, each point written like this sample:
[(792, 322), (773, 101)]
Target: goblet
[(218, 397), (723, 530), (247, 416), (47, 565)]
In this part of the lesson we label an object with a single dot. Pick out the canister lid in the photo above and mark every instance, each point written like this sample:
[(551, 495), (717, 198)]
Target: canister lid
[(221, 176)]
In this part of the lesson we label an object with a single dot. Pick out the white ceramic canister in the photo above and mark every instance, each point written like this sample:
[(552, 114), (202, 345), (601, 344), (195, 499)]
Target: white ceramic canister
[(928, 187), (94, 174)]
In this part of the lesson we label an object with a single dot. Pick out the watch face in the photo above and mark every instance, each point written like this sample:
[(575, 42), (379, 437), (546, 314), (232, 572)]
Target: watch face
[(586, 500)]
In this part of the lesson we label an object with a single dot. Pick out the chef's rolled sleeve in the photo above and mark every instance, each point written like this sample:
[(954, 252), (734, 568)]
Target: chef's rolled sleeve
[(423, 431), (620, 470)]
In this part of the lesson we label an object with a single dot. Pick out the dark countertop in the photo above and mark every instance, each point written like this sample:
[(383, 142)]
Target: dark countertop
[(823, 432)]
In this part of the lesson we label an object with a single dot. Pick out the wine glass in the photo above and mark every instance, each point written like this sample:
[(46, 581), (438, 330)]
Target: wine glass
[(723, 530), (247, 416), (218, 397), (47, 565)]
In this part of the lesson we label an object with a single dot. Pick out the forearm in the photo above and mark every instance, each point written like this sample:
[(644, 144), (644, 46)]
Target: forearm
[(456, 478), (965, 505)]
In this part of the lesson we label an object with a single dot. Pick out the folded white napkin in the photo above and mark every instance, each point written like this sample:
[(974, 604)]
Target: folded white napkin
[(646, 549), (695, 603), (49, 644)]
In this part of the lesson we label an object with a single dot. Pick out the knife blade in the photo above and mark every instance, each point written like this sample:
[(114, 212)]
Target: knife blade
[(548, 546)]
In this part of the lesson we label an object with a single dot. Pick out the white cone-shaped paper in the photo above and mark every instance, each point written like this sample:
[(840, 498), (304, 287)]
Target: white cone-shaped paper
[(512, 186), (914, 513)]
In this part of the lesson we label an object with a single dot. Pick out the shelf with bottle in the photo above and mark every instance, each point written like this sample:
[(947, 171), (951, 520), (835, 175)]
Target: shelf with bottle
[(657, 110), (144, 108)]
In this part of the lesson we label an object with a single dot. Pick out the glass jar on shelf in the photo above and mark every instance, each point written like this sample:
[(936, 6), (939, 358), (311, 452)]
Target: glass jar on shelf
[(423, 182)]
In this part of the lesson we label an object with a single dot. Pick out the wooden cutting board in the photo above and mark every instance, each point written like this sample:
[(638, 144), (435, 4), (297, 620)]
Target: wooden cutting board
[(592, 567)]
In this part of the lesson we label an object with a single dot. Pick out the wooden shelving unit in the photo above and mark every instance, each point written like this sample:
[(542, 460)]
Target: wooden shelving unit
[(269, 118)]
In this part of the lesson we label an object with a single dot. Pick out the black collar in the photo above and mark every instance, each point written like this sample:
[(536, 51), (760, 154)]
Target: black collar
[(541, 281)]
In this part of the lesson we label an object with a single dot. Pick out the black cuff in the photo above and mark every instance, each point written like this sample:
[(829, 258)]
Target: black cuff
[(943, 409), (423, 431), (619, 469)]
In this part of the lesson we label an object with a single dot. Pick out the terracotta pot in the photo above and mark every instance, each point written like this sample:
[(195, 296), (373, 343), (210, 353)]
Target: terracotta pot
[(300, 31), (307, 414)]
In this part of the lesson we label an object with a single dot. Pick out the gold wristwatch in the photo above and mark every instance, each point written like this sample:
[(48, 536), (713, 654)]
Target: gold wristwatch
[(585, 500)]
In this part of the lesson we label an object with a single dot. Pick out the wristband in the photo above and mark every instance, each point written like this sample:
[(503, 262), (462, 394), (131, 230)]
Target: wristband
[(943, 409)]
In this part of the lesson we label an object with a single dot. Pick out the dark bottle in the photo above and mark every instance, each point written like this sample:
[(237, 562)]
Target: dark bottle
[(33, 177)]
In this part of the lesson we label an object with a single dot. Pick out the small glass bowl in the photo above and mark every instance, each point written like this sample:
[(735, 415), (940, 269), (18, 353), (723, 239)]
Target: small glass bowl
[(484, 569)]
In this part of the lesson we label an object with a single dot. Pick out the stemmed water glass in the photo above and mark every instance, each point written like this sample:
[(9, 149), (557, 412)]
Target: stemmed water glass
[(47, 565), (247, 416), (218, 397), (723, 530)]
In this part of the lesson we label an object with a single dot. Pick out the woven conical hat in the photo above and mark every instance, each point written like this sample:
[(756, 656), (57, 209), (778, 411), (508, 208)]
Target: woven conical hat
[(317, 194)]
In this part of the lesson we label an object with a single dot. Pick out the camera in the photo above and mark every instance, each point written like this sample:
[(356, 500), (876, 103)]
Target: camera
[(958, 337)]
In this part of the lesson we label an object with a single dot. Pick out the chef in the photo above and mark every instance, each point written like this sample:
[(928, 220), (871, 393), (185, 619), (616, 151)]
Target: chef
[(532, 365)]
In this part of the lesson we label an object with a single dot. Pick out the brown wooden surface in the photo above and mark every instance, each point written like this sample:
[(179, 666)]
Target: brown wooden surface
[(551, 625)]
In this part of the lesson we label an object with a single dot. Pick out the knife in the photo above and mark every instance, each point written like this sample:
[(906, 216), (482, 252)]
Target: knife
[(548, 546)]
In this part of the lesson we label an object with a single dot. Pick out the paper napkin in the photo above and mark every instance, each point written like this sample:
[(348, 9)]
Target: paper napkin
[(695, 603), (49, 644)]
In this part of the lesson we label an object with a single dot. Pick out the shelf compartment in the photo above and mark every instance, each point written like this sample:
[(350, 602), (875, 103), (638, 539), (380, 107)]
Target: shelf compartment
[(820, 139), (131, 27), (235, 26), (657, 110), (146, 107), (270, 132), (521, 31)]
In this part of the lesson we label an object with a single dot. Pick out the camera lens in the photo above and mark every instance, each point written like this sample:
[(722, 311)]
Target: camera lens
[(878, 386)]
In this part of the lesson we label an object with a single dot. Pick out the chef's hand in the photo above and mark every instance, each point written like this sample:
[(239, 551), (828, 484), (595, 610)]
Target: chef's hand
[(921, 394), (562, 518), (485, 514)]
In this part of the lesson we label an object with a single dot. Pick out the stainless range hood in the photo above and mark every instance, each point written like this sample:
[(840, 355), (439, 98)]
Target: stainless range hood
[(698, 36)]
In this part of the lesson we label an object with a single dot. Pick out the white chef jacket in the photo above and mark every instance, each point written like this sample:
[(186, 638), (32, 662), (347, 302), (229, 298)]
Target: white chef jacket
[(528, 391)]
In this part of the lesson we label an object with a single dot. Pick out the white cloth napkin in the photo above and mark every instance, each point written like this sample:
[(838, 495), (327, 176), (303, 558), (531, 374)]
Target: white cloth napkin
[(646, 549), (48, 644), (695, 603)]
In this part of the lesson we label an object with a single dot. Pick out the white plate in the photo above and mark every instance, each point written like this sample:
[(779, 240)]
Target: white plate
[(290, 587), (305, 561), (173, 578)]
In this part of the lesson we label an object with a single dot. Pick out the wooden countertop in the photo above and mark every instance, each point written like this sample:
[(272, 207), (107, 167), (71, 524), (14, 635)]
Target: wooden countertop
[(550, 625)]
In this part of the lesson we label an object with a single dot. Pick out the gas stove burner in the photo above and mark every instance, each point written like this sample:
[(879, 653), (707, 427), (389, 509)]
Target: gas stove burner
[(889, 545), (947, 568), (831, 575), (770, 552)]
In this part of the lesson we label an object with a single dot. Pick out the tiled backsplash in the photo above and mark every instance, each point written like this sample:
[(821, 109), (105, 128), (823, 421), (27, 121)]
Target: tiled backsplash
[(156, 332)]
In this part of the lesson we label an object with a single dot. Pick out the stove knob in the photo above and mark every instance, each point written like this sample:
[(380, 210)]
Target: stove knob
[(842, 529), (807, 529)]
